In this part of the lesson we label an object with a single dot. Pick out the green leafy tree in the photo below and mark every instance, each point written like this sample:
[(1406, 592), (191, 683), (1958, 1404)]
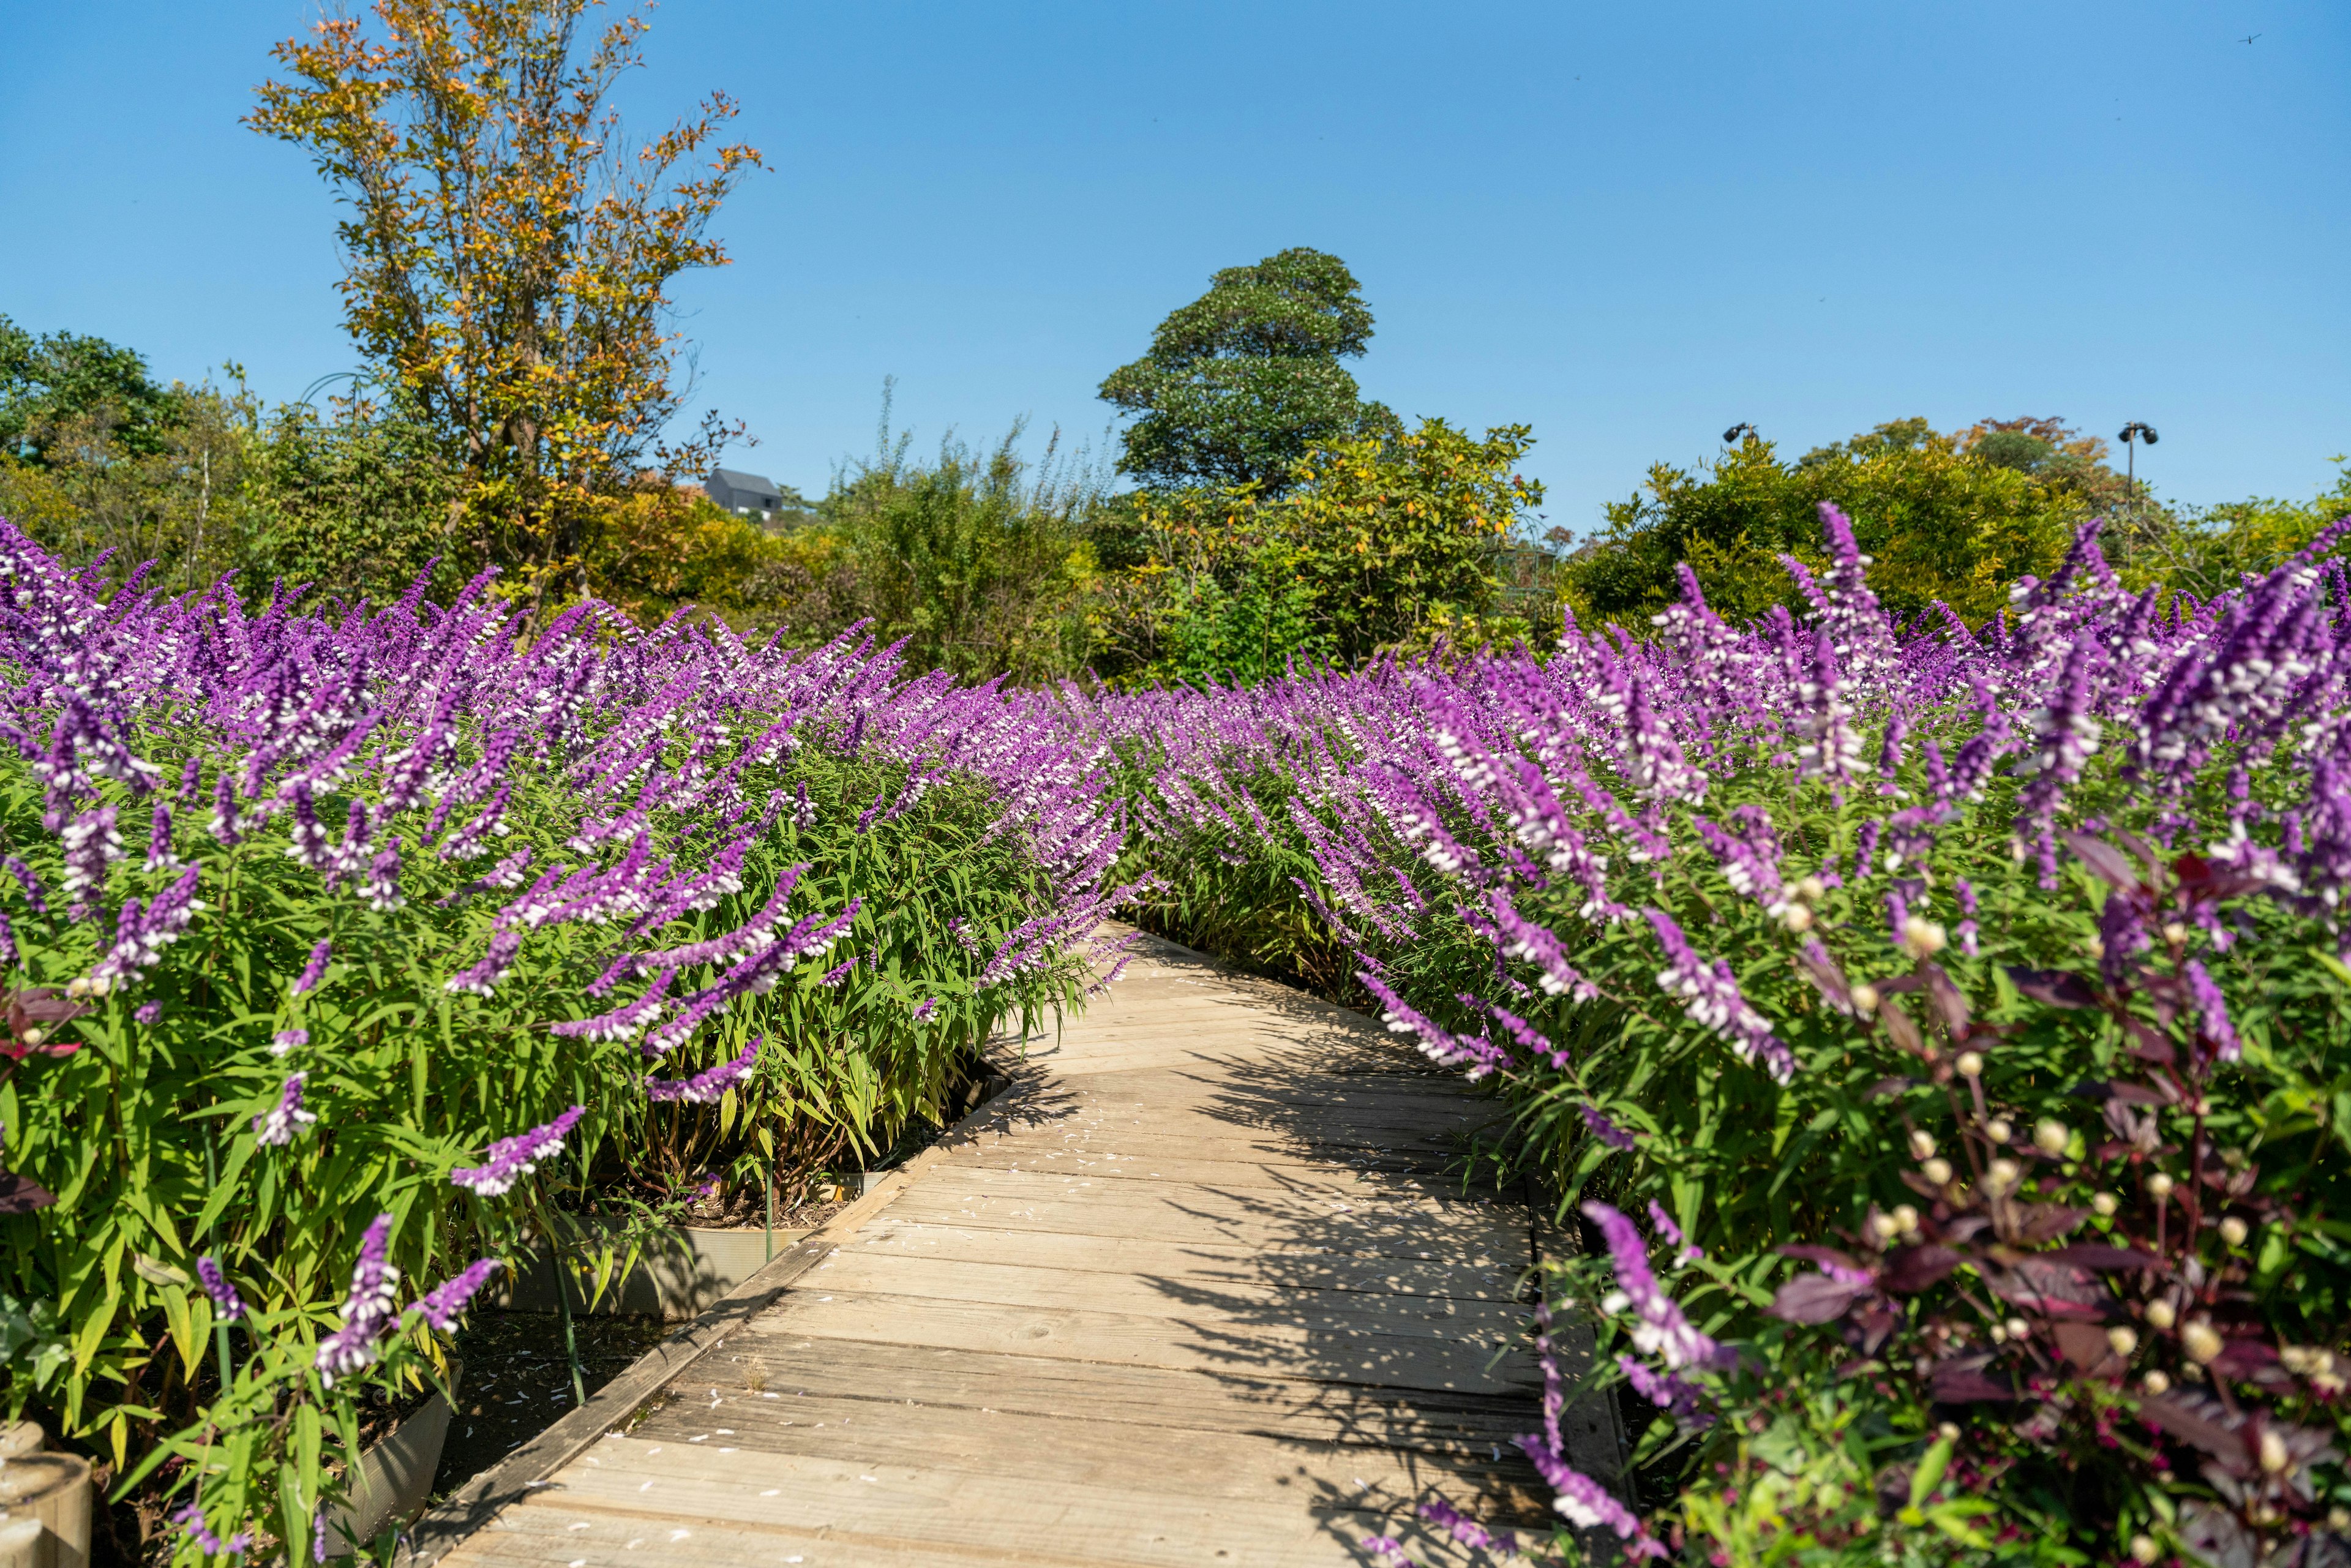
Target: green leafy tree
[(60, 383), (508, 256), (1240, 382), (1374, 544), (1954, 517), (358, 500)]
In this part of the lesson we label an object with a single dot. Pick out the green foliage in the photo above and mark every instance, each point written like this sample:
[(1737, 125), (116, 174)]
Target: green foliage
[(981, 560), (1942, 519), (1240, 382), (1376, 543), (359, 500), (51, 385), (2205, 550)]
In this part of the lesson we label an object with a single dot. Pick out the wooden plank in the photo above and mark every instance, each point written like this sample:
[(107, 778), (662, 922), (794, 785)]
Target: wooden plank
[(1053, 1450), (567, 1538), (670, 1489), (1187, 1295), (1400, 1227), (760, 1369), (1494, 1281), (1344, 1349)]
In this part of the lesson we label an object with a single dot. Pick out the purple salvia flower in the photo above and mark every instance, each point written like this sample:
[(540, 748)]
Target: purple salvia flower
[(1440, 1045), (191, 1520), (442, 1304), (710, 1084), (276, 1128), (839, 972), (285, 1040), (223, 825), (1538, 946), (1712, 998), (227, 1305), (483, 977), (622, 1023), (2212, 1009), (367, 1313), (1467, 1530), (380, 887), (91, 844), (1670, 1391), (1587, 1504), (1659, 1328), (1683, 1252), (159, 841), (1606, 1131), (1386, 1550), (1831, 748), (316, 969), (308, 843), (929, 1007), (29, 883), (2066, 735), (148, 1013), (509, 1159)]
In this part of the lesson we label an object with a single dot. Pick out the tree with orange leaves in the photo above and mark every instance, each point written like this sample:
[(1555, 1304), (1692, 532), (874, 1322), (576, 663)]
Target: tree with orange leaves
[(508, 255)]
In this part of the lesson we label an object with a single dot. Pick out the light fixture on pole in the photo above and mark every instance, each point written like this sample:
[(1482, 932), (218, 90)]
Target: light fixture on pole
[(2133, 436), (1731, 437)]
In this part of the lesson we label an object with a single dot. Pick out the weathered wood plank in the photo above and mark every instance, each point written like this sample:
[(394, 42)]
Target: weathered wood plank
[(1344, 1349), (1318, 1269)]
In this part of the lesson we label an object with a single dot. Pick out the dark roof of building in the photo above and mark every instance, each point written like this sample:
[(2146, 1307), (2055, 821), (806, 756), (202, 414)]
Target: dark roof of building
[(735, 479)]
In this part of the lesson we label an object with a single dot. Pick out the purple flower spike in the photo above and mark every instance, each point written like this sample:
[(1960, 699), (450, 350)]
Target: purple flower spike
[(276, 1129), (1713, 1000), (1587, 1504), (368, 1311), (1606, 1131), (1467, 1530), (511, 1158), (315, 970), (1659, 1328), (191, 1520), (2212, 1007), (227, 1306), (442, 1304), (28, 881), (148, 1012), (706, 1086), (927, 1009), (483, 978), (285, 1040)]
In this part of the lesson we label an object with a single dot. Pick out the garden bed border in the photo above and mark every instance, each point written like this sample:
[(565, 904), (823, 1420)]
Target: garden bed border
[(441, 1530)]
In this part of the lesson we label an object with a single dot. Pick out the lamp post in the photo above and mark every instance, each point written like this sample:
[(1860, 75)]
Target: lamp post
[(1731, 437), (2133, 433)]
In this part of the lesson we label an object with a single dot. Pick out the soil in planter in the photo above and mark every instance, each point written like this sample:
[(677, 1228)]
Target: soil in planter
[(518, 1382)]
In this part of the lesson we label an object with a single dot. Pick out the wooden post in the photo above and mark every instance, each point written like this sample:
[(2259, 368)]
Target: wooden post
[(19, 1438), (53, 1492)]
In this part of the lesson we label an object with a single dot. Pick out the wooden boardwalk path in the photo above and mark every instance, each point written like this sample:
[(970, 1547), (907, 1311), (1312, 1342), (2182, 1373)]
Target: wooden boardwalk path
[(1199, 1290)]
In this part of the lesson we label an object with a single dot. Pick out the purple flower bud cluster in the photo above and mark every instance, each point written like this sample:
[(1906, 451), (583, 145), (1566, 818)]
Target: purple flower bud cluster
[(276, 1127), (227, 1305), (368, 1311), (1711, 996), (510, 1159), (442, 1304), (708, 1085)]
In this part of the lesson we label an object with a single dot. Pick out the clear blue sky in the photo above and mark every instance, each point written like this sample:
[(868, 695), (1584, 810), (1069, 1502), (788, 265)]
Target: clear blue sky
[(1628, 226)]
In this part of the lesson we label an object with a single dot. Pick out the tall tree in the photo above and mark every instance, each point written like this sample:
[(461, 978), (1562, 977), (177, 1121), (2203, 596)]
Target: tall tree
[(507, 255), (1240, 382), (51, 383)]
